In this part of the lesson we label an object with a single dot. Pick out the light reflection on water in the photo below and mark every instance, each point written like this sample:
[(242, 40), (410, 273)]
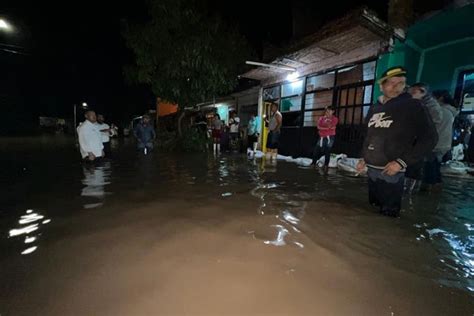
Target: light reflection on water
[(449, 227), (96, 177), (30, 224)]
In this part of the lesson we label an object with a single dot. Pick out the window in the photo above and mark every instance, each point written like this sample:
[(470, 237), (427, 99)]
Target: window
[(369, 71), (319, 100), (467, 94), (365, 111), (355, 74), (292, 88), (291, 104), (311, 118), (351, 96), (368, 94), (324, 81), (271, 93), (291, 119)]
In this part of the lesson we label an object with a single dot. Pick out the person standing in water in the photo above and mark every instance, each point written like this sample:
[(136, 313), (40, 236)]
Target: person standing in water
[(253, 132), (90, 138), (274, 126), (327, 134), (430, 166), (399, 133), (105, 131), (450, 112), (216, 127), (145, 134), (234, 127)]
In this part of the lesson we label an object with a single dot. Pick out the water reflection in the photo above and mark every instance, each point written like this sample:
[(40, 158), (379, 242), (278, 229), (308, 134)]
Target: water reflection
[(286, 210), (447, 223), (456, 253), (30, 224), (280, 237), (96, 177)]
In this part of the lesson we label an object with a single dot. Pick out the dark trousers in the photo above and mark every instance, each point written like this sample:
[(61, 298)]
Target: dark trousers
[(387, 196), (107, 150), (323, 147), (415, 171), (432, 169), (250, 140)]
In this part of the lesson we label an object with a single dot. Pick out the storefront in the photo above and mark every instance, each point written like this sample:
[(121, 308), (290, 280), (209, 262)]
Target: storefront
[(348, 89), (334, 68)]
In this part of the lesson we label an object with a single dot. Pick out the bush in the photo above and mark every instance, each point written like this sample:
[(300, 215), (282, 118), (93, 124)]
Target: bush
[(192, 140)]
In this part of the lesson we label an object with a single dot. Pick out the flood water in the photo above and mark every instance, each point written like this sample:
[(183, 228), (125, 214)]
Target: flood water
[(195, 234)]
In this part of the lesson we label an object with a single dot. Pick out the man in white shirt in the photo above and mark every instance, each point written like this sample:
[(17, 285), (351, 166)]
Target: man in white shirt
[(105, 131), (90, 138)]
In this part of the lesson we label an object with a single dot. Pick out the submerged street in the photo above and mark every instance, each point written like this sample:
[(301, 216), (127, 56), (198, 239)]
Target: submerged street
[(196, 234)]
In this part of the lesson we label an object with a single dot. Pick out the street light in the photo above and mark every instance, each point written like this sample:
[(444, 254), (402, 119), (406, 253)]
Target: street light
[(4, 25), (84, 105)]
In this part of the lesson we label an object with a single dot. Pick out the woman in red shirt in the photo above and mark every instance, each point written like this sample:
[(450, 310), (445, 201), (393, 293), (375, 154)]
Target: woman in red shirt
[(327, 133)]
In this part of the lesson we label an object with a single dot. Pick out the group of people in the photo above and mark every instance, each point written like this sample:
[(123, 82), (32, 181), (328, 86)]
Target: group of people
[(218, 126), (409, 130), (254, 127), (440, 106), (409, 133), (94, 137)]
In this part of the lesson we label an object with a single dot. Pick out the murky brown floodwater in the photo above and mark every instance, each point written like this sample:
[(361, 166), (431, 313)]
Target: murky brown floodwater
[(198, 235)]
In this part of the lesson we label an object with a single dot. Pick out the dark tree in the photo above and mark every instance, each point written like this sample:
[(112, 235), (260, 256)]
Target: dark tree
[(183, 53)]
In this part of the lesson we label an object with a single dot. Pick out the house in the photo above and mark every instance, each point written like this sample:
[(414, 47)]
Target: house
[(335, 67), (439, 50), (244, 102)]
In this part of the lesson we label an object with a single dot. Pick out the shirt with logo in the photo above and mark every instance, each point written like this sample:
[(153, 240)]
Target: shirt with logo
[(398, 130)]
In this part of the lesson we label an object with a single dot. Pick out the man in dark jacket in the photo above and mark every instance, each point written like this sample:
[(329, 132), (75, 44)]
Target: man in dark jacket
[(145, 134), (394, 123)]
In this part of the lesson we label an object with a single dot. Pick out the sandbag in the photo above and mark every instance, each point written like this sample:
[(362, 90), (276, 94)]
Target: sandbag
[(306, 162), (259, 154), (332, 162), (456, 168), (349, 165), (458, 152)]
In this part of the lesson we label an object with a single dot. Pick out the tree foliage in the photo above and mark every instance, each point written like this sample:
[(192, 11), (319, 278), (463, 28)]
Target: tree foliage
[(184, 53)]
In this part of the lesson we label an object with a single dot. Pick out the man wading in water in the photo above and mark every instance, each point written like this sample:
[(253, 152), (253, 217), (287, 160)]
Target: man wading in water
[(400, 133)]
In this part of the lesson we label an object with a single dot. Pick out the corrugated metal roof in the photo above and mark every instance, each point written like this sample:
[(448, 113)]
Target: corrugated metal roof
[(355, 30)]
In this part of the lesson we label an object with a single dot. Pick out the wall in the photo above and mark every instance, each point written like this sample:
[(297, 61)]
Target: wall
[(401, 55), (440, 65)]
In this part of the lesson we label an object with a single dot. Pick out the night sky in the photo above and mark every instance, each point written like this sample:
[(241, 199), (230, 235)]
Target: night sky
[(75, 51)]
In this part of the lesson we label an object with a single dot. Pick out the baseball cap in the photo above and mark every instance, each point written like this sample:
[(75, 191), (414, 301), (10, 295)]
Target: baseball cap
[(397, 71)]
